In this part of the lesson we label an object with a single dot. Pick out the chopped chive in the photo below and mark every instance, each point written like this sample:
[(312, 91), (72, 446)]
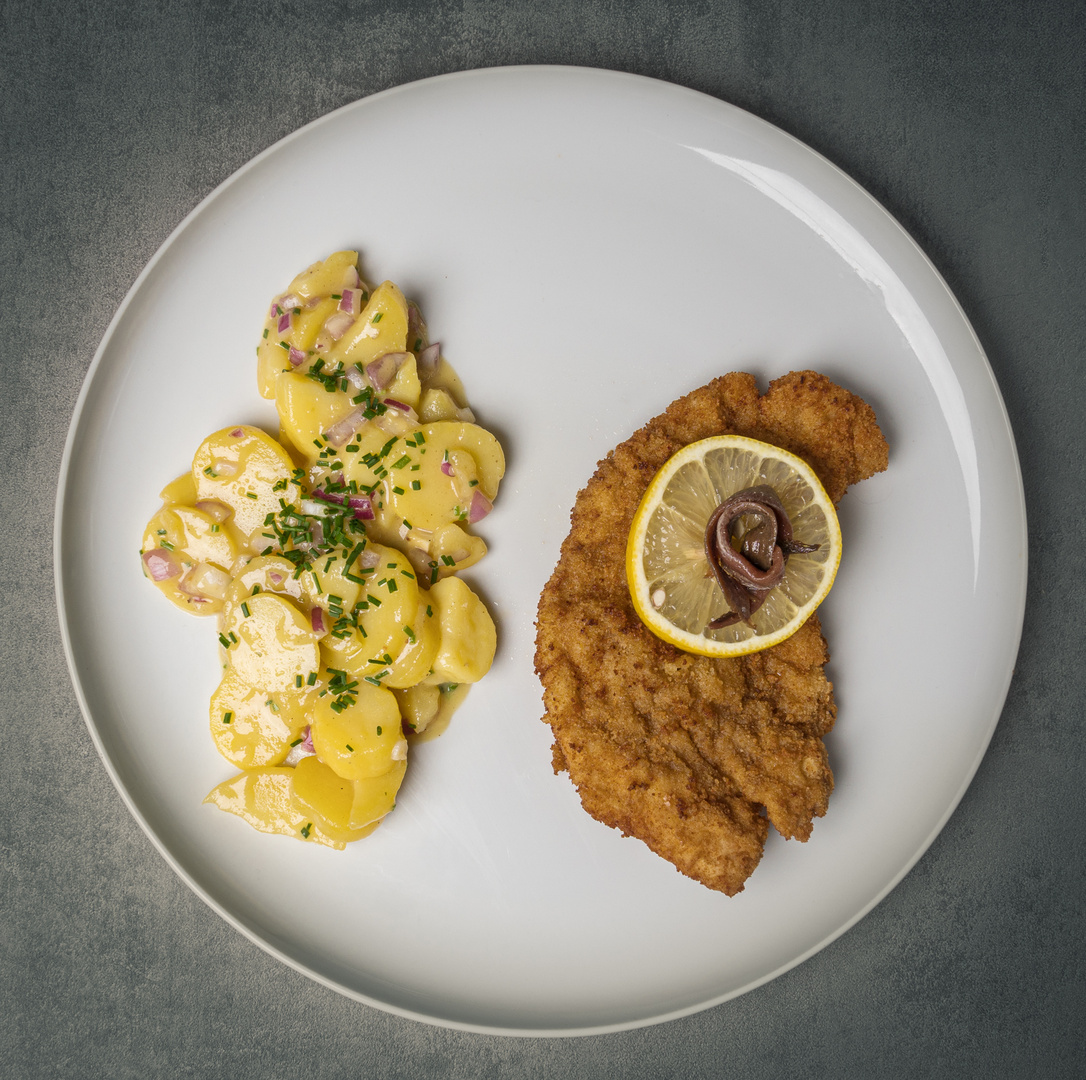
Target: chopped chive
[(245, 610), (227, 717), (378, 317)]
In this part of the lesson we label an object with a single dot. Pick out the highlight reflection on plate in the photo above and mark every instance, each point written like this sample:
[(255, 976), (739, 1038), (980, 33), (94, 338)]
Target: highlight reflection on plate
[(587, 246)]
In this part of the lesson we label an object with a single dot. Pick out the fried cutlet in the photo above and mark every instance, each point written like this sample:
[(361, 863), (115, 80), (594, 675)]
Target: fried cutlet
[(691, 754)]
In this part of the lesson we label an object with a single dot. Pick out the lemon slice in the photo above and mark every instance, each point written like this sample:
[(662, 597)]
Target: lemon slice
[(671, 583)]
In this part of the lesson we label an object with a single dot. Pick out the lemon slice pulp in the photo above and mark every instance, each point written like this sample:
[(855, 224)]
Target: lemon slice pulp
[(671, 583)]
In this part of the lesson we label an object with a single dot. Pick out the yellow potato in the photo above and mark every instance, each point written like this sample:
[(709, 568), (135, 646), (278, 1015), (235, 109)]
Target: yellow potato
[(245, 469), (375, 796), (419, 705), (362, 737), (468, 635), (422, 636), (308, 321), (454, 460), (333, 275), (380, 329), (263, 797), (405, 387), (318, 794), (271, 644), (253, 727), (186, 554), (182, 490), (391, 599), (307, 411), (453, 549)]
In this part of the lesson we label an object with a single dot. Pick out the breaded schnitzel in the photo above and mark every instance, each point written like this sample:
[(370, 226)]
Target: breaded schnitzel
[(689, 753)]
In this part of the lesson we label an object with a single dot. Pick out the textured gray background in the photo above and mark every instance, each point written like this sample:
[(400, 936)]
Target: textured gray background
[(965, 119)]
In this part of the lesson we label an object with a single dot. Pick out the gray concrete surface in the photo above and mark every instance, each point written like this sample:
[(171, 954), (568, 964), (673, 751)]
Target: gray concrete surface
[(968, 120)]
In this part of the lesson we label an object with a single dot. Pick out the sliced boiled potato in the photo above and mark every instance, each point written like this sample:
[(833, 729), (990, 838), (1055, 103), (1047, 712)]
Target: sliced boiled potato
[(307, 411), (263, 797), (375, 796), (419, 705), (415, 660), (405, 387), (380, 328), (248, 471), (468, 636), (271, 642), (252, 727), (334, 274), (317, 793), (182, 490), (360, 738), (186, 554)]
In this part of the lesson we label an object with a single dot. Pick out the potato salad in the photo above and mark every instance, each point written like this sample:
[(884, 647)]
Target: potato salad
[(329, 558)]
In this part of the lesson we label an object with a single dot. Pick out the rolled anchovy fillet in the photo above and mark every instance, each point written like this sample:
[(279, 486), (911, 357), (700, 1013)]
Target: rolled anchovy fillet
[(746, 575)]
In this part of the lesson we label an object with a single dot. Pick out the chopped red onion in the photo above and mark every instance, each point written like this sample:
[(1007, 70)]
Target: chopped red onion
[(237, 433), (350, 301), (316, 620), (296, 357), (355, 377), (346, 426), (351, 280), (214, 509), (479, 508), (400, 406), (283, 325), (204, 581), (307, 742), (362, 506), (447, 468), (275, 577), (338, 324), (428, 359), (161, 564), (369, 559), (383, 370)]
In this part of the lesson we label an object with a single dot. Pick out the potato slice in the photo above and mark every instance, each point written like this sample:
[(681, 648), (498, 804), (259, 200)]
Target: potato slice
[(271, 642), (186, 554), (252, 727), (468, 636), (432, 479), (361, 739), (380, 329), (248, 471), (334, 274), (318, 794), (263, 797), (375, 796)]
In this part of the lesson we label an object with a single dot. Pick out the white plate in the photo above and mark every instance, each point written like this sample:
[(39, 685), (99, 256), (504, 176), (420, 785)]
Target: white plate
[(588, 246)]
